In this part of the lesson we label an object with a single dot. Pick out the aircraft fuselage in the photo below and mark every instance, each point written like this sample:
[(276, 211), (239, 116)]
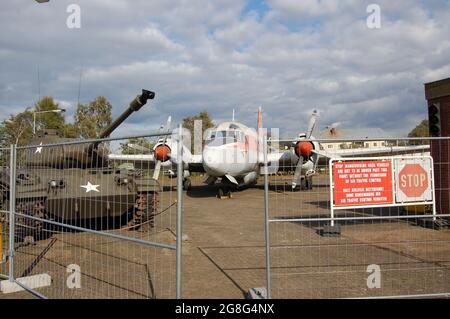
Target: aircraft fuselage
[(232, 149)]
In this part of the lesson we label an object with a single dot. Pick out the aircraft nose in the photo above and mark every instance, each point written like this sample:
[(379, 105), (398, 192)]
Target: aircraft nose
[(212, 162)]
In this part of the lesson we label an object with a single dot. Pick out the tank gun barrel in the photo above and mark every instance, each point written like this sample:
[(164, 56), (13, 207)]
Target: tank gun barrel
[(134, 106)]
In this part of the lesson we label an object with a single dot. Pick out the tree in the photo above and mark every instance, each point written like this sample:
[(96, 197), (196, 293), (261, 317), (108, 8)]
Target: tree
[(207, 123), (143, 146), (49, 120), (420, 130), (71, 130), (18, 129), (92, 119)]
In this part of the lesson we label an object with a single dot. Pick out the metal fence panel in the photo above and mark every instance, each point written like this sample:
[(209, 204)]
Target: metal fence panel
[(380, 252), (99, 227), (4, 213)]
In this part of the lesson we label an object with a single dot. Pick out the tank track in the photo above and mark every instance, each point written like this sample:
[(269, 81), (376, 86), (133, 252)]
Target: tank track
[(144, 211), (27, 227)]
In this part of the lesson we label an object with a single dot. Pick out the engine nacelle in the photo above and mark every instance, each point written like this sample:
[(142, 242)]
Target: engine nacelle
[(304, 149), (250, 178), (162, 152)]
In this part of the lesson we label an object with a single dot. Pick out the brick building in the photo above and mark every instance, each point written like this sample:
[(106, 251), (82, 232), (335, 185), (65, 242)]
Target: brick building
[(438, 97)]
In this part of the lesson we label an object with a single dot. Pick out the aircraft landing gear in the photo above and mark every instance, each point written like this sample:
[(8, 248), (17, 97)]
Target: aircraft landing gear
[(307, 183), (186, 184), (224, 192)]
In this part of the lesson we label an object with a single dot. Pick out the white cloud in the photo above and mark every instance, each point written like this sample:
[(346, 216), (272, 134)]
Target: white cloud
[(208, 55)]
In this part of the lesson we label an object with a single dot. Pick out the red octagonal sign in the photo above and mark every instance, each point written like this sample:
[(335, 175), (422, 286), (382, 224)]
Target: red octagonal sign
[(413, 180)]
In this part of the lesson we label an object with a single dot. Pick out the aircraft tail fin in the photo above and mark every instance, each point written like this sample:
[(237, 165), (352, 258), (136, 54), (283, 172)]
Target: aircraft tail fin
[(260, 133), (259, 124)]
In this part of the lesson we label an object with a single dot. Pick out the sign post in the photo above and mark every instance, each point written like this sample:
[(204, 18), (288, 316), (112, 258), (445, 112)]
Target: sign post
[(1, 241)]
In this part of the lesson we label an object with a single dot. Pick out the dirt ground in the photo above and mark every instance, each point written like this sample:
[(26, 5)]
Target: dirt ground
[(224, 252)]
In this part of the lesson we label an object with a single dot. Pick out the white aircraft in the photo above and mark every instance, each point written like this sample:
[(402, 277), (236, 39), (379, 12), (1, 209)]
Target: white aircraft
[(233, 154)]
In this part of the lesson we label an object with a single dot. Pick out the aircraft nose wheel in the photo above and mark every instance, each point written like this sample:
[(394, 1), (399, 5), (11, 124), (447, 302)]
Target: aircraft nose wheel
[(224, 192), (309, 182), (306, 183), (187, 184)]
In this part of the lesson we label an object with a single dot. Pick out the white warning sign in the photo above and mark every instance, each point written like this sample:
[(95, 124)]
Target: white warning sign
[(413, 180)]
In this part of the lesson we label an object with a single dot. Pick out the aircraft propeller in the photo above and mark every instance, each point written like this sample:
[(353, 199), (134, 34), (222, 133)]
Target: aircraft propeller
[(304, 149), (332, 130), (162, 151)]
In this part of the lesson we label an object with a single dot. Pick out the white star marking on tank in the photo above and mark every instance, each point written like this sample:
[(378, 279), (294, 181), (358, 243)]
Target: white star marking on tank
[(38, 149), (89, 187)]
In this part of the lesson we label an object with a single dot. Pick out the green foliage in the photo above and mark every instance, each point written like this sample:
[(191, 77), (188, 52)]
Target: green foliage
[(188, 122), (90, 120), (143, 146), (93, 118), (71, 130), (49, 120), (207, 123), (18, 129), (420, 130)]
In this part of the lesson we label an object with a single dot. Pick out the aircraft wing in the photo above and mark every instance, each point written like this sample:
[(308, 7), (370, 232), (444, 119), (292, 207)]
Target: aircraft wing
[(375, 151), (132, 158), (288, 158), (140, 161), (196, 163)]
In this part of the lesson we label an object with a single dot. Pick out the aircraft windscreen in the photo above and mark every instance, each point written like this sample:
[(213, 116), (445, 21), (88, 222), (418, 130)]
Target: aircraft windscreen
[(217, 138)]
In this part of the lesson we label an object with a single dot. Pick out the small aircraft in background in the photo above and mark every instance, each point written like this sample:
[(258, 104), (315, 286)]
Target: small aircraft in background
[(233, 154)]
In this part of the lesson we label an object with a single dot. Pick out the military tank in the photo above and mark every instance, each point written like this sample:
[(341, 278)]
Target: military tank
[(76, 184)]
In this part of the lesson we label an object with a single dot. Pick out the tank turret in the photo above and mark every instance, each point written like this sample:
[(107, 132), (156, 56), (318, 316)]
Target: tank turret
[(87, 155)]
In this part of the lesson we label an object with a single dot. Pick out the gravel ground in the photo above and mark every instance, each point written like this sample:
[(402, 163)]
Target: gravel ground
[(224, 252)]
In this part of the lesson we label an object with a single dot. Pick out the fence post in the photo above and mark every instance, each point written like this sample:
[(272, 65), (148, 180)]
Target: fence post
[(330, 173), (12, 209), (179, 230), (266, 216)]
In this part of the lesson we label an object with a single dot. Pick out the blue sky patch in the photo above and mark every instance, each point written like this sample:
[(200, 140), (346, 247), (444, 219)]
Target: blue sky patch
[(258, 6)]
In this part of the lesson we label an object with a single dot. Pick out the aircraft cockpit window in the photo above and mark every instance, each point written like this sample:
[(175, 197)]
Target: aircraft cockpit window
[(238, 136), (241, 137), (218, 138), (231, 134)]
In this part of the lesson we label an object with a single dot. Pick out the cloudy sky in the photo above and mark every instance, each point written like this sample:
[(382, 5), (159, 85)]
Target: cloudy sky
[(288, 56)]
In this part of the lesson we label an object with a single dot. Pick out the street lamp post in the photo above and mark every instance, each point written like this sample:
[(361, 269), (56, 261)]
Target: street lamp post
[(41, 112)]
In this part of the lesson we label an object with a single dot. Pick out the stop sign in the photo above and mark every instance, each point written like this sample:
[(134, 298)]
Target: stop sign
[(413, 180)]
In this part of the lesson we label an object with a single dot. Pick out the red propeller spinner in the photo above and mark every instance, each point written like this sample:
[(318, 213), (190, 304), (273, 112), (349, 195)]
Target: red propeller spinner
[(304, 149), (162, 153)]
